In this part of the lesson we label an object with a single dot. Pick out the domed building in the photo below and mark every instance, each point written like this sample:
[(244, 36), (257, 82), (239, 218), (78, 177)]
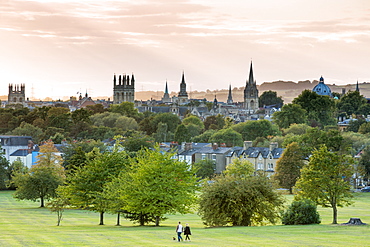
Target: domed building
[(322, 89)]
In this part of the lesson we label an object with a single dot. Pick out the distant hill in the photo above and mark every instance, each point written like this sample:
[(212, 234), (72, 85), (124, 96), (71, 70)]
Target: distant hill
[(288, 90)]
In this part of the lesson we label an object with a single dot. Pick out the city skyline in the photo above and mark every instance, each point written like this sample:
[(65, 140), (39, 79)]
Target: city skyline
[(59, 48)]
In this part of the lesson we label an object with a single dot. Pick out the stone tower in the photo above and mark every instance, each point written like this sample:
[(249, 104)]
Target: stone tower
[(183, 95), (124, 90), (16, 94), (251, 93)]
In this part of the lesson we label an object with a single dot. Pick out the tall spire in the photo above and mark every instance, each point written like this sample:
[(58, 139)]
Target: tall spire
[(357, 88), (114, 79), (251, 77), (230, 97), (166, 89), (183, 78)]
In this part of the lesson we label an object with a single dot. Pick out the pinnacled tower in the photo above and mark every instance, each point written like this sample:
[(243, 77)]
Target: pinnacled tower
[(124, 90), (17, 94), (229, 97), (251, 93), (183, 95)]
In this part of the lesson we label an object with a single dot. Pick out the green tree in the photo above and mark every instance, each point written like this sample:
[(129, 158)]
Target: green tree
[(182, 134), (288, 166), (26, 129), (205, 168), (228, 136), (270, 98), (137, 141), (240, 200), (125, 108), (205, 136), (193, 120), (364, 128), (4, 171), (250, 130), (354, 125), (126, 123), (43, 178), (290, 114), (59, 117), (106, 119), (217, 121), (320, 109), (351, 102), (364, 163), (326, 180), (239, 168), (301, 212), (296, 129), (157, 185), (85, 188)]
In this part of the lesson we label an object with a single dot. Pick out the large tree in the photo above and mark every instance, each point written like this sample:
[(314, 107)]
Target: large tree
[(320, 109), (205, 168), (351, 102), (364, 163), (250, 130), (290, 114), (268, 98), (228, 136), (43, 178), (326, 180), (156, 185), (289, 165), (240, 199), (85, 187)]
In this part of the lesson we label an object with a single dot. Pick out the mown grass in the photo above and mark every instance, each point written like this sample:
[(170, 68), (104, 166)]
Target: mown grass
[(23, 223)]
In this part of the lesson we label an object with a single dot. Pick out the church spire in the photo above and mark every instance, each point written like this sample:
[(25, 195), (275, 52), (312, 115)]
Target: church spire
[(166, 88), (251, 77), (230, 97), (357, 88)]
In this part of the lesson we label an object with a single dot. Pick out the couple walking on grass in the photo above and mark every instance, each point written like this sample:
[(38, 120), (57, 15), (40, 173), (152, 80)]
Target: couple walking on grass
[(180, 229)]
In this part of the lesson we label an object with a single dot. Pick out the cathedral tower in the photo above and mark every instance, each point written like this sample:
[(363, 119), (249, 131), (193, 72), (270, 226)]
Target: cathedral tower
[(183, 95), (166, 96), (251, 93), (124, 90), (16, 94), (229, 97)]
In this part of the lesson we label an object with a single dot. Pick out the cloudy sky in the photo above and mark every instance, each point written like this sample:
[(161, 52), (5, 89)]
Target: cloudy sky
[(59, 48)]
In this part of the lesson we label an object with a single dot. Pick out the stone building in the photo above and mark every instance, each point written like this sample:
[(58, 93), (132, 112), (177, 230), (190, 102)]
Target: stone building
[(16, 94), (124, 90), (251, 93)]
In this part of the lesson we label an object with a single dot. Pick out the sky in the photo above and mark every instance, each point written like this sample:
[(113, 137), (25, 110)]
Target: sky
[(61, 48)]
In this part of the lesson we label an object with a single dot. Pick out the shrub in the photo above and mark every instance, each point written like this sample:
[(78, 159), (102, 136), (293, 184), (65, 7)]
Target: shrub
[(301, 213)]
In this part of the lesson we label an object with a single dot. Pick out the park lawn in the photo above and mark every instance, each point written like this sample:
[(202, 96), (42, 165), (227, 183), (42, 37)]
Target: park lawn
[(23, 223)]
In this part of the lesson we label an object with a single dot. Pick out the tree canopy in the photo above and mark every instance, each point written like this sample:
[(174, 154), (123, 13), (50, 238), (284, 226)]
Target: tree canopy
[(326, 180)]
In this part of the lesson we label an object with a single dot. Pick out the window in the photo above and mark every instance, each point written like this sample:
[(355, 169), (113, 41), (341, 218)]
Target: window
[(203, 156), (270, 166), (260, 166), (213, 157)]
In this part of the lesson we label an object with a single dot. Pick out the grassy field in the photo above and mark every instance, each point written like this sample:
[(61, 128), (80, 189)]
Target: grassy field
[(23, 223)]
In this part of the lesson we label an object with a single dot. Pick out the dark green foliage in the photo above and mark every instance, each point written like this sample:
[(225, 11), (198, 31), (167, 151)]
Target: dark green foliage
[(182, 134), (290, 114), (320, 109), (250, 130), (137, 142), (205, 168), (301, 212), (351, 102), (268, 98), (228, 136), (239, 201)]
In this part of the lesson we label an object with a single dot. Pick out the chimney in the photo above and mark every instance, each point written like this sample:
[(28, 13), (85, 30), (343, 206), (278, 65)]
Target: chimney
[(273, 145), (247, 144), (188, 146), (214, 146)]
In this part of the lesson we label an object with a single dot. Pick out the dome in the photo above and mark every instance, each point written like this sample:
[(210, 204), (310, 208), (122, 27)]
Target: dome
[(322, 89)]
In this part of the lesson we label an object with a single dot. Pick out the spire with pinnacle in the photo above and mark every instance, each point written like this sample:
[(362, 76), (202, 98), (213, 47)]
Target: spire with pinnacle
[(230, 97), (183, 92), (357, 88), (251, 78)]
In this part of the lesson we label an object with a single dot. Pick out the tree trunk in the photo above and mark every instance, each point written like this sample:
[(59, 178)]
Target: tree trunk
[(141, 219), (101, 218), (118, 218), (157, 220), (291, 190), (42, 202), (335, 214)]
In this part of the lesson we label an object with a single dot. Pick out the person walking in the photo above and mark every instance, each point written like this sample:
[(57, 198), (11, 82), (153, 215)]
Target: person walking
[(179, 229), (187, 232)]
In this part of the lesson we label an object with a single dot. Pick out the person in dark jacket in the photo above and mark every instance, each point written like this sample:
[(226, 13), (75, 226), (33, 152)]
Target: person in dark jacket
[(187, 232)]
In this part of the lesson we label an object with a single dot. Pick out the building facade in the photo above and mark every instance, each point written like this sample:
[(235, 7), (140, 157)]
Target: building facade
[(17, 94), (124, 89)]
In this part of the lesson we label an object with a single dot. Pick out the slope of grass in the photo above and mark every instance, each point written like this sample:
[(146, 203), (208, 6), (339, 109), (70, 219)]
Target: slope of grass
[(23, 223)]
